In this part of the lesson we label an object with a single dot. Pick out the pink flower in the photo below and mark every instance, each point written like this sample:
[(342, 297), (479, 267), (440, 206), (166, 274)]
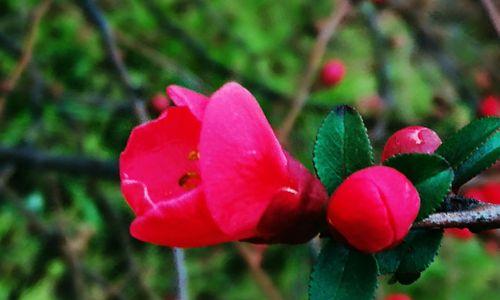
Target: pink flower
[(211, 170)]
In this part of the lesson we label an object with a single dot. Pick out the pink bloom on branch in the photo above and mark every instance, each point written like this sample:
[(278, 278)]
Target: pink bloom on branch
[(211, 170), (412, 139)]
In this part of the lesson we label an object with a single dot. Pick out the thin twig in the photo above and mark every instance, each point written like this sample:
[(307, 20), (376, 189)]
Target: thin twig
[(26, 54), (28, 158), (118, 231), (260, 276), (55, 234), (201, 54), (95, 16), (493, 13), (384, 87), (161, 60), (182, 276), (31, 159), (315, 57), (428, 42)]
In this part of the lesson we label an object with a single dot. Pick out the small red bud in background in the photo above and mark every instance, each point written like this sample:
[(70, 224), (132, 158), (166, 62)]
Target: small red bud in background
[(370, 106), (459, 233), (374, 208), (491, 247), (413, 139), (160, 102), (332, 73), (378, 1), (488, 192), (490, 106), (482, 79), (398, 297)]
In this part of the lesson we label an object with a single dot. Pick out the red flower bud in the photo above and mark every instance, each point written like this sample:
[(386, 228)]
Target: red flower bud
[(490, 107), (160, 102), (333, 72), (459, 233), (398, 297), (413, 139), (374, 208)]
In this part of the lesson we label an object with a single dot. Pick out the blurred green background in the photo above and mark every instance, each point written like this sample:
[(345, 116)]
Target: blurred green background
[(63, 221)]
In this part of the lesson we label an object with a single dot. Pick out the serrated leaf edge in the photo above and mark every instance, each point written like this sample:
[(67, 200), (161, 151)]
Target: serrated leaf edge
[(333, 111)]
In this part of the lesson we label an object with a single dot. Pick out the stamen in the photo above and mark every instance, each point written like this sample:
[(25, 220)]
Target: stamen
[(194, 155), (190, 180)]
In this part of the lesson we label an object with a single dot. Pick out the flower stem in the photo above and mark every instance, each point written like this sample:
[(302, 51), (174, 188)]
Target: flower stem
[(182, 278)]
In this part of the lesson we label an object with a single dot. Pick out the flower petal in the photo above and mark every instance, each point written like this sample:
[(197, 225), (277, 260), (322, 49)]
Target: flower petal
[(297, 212), (159, 153), (242, 163), (137, 196), (181, 222), (185, 97)]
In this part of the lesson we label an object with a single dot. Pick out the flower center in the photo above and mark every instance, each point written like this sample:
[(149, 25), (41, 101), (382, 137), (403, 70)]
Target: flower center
[(194, 155), (190, 180)]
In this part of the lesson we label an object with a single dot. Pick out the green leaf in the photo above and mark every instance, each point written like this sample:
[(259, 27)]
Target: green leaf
[(431, 175), (412, 256), (343, 273), (388, 261), (472, 149), (342, 147)]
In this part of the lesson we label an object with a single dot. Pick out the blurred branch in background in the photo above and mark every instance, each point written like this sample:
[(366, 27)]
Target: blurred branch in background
[(488, 216), (493, 13), (25, 54), (28, 158), (161, 60), (202, 55), (96, 17), (429, 42), (384, 88), (54, 236), (260, 276), (340, 11), (118, 228), (182, 274)]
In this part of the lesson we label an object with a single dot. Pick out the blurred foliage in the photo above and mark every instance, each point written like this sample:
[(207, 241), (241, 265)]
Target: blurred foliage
[(70, 101)]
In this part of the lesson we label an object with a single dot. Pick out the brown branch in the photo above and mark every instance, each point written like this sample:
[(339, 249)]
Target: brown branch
[(96, 17), (315, 57), (260, 276), (161, 60), (483, 217), (459, 212), (28, 158), (493, 13), (26, 53)]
